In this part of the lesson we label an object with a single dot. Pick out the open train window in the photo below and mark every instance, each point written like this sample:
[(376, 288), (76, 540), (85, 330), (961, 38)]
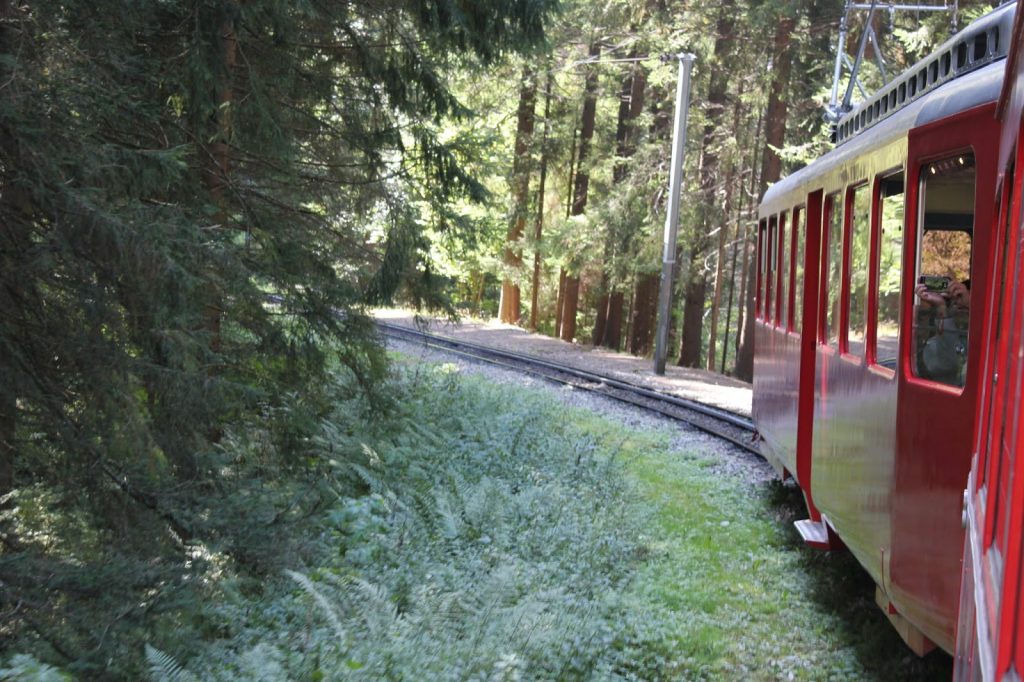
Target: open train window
[(889, 273), (770, 268), (762, 236), (782, 298), (797, 290), (942, 281), (832, 268), (859, 199)]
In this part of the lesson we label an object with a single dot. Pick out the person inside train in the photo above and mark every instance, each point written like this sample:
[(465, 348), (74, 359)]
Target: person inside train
[(944, 302)]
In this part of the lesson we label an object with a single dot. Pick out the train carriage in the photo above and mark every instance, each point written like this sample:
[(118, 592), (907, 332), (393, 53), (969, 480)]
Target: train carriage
[(875, 272), (990, 636)]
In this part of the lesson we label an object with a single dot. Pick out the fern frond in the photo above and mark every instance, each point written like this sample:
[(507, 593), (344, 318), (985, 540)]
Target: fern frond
[(164, 668), (325, 605)]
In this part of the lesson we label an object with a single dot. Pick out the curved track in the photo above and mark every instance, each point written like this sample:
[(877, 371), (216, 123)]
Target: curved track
[(736, 429)]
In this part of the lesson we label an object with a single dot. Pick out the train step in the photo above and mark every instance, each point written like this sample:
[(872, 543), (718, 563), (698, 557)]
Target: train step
[(818, 534)]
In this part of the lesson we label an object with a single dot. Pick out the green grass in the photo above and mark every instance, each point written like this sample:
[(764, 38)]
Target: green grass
[(504, 536)]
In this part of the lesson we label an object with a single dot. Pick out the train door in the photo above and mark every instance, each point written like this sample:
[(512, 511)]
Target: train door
[(950, 182)]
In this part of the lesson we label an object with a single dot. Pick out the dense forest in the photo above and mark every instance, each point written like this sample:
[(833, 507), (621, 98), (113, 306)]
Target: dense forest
[(202, 202)]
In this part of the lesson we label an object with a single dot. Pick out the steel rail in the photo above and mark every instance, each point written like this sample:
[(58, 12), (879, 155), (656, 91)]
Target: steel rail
[(481, 353)]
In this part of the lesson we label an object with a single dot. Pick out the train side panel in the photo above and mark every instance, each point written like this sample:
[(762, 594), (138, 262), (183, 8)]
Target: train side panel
[(935, 420)]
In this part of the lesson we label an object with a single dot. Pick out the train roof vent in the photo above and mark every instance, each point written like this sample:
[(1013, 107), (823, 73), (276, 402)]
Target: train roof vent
[(983, 42)]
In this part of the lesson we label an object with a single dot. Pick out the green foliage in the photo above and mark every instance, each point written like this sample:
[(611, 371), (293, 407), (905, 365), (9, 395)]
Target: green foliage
[(24, 668), (199, 200)]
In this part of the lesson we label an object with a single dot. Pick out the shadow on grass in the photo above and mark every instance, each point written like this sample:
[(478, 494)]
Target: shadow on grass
[(842, 587)]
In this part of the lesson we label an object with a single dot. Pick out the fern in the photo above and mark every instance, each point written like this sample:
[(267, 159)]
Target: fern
[(163, 667)]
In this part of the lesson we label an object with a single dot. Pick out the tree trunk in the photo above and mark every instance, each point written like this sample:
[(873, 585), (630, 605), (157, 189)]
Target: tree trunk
[(539, 225), (723, 240), (742, 220), (509, 308), (601, 316), (745, 352), (218, 154), (645, 291), (771, 170), (696, 284), (644, 304), (560, 302), (12, 202), (608, 331), (580, 189), (777, 109), (570, 302)]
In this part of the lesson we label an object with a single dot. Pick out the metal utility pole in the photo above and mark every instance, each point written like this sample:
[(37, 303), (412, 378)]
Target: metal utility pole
[(836, 109), (675, 183)]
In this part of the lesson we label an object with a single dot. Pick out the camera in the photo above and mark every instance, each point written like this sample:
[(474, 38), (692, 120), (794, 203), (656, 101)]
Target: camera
[(936, 283)]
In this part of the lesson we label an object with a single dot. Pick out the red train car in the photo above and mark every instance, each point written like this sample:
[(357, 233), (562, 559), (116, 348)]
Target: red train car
[(990, 632), (877, 266)]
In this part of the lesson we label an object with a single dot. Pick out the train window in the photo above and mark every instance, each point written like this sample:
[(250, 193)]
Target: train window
[(781, 309), (945, 64), (860, 228), (961, 56), (913, 86), (832, 267), (796, 318), (771, 262), (762, 237), (933, 72), (903, 93), (890, 270), (942, 289), (922, 79), (980, 46)]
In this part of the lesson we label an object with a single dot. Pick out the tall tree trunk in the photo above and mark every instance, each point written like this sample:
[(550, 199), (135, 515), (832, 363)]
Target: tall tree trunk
[(560, 302), (696, 284), (608, 330), (218, 151), (645, 298), (771, 168), (723, 238), (8, 397), (777, 110), (742, 221), (581, 186), (645, 291), (509, 307), (539, 225)]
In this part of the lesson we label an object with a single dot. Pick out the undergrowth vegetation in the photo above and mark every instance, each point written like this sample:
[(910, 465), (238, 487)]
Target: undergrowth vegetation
[(482, 532)]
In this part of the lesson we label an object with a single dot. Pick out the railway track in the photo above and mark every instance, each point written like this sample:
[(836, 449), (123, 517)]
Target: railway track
[(729, 426)]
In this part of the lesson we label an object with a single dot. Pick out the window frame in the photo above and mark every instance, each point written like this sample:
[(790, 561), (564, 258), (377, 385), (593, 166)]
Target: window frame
[(799, 238), (829, 202), (783, 255), (875, 273), (849, 215)]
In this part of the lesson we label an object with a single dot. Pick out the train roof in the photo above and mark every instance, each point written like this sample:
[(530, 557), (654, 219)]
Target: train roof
[(961, 87)]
